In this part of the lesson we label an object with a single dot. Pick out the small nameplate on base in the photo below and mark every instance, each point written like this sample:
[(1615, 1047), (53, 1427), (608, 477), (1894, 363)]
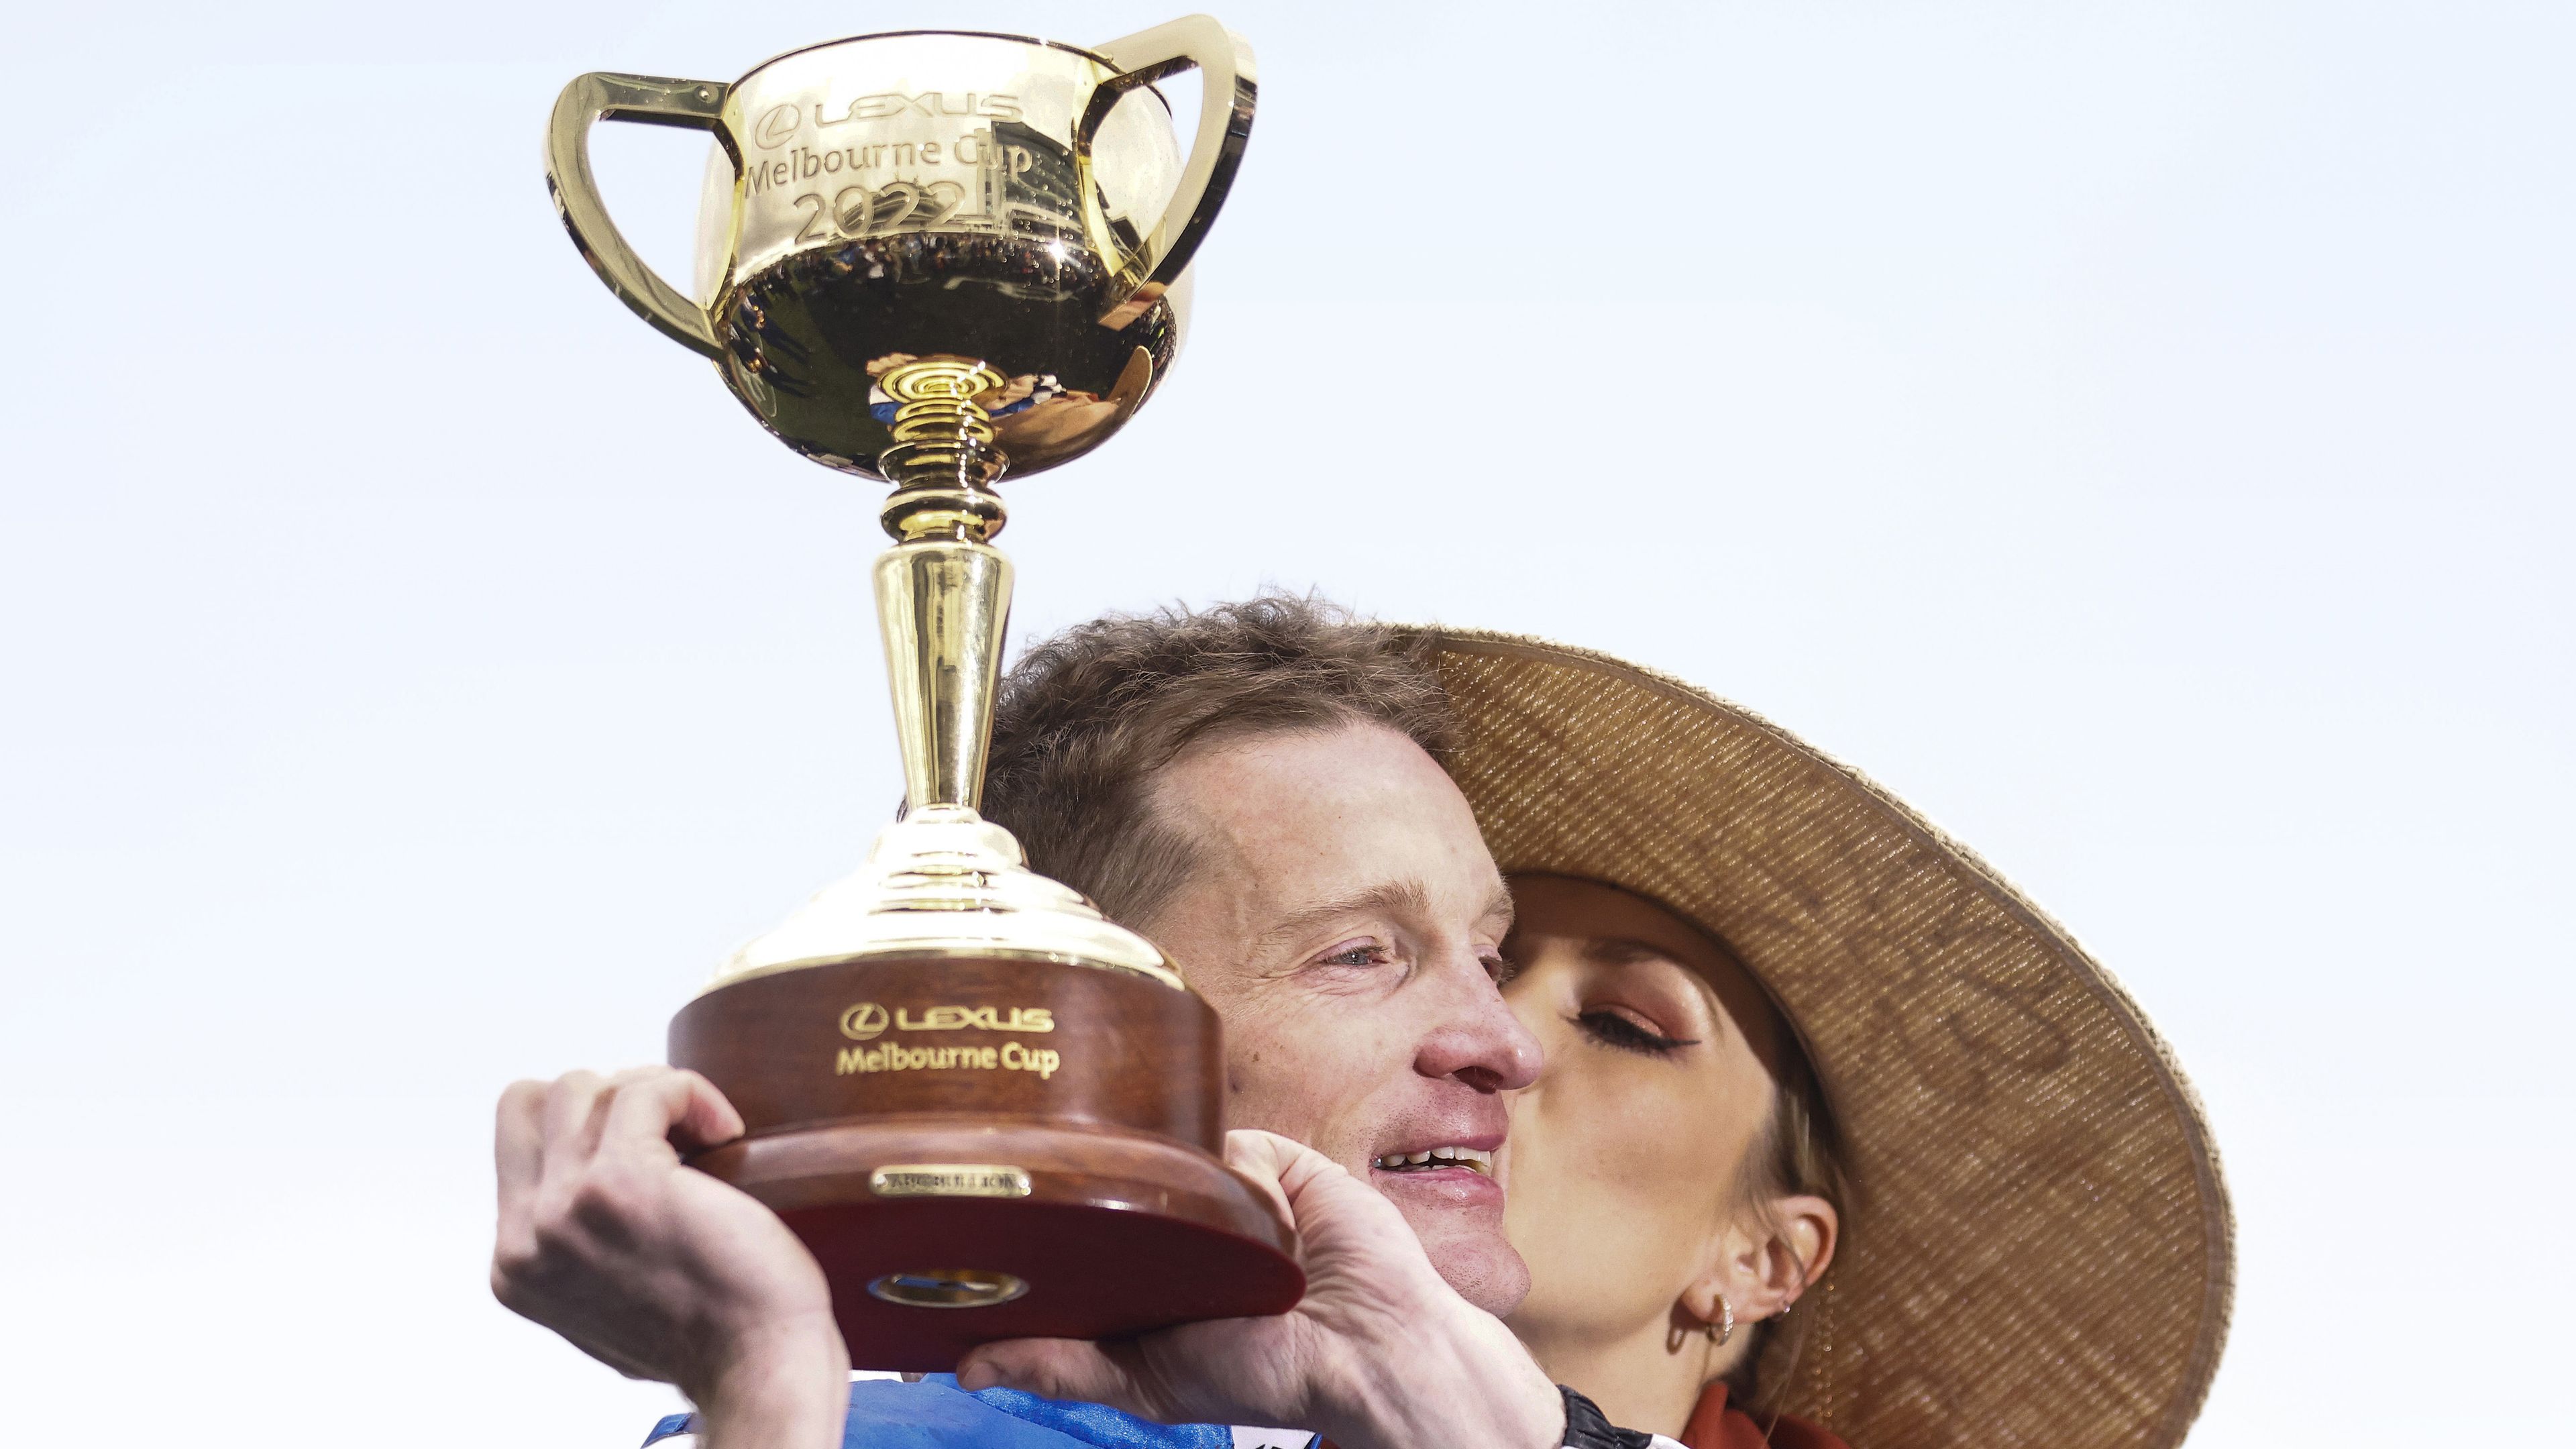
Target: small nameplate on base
[(948, 1179)]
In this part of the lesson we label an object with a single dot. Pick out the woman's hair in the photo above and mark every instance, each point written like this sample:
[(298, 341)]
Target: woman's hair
[(1800, 1153)]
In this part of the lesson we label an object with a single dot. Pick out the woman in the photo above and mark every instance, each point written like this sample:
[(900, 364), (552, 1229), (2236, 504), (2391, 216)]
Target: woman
[(1664, 1059), (1839, 1140)]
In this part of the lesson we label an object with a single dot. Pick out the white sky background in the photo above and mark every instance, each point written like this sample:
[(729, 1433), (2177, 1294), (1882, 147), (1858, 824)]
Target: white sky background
[(2141, 436)]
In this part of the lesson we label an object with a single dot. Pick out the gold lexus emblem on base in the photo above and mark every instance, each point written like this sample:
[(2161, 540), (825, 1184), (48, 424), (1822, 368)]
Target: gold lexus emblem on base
[(948, 1179), (868, 1020)]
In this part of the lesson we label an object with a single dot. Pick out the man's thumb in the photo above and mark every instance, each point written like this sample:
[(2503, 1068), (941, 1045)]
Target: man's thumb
[(1051, 1368)]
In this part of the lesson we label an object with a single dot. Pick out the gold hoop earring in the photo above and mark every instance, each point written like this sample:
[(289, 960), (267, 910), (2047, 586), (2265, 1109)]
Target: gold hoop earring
[(1724, 1329)]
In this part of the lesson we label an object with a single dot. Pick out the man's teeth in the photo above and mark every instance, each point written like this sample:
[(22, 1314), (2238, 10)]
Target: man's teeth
[(1466, 1157)]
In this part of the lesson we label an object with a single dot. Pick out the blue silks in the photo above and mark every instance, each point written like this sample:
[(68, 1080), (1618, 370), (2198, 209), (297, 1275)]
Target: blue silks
[(936, 1414)]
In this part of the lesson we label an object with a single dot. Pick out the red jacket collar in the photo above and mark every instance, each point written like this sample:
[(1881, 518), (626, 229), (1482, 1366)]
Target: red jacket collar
[(1716, 1425)]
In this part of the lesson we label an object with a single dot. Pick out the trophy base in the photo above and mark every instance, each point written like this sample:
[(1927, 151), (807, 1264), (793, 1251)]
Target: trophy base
[(979, 1147), (938, 1232)]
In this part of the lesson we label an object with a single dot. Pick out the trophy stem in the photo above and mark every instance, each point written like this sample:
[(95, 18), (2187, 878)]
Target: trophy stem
[(943, 462), (943, 605), (943, 883), (943, 591)]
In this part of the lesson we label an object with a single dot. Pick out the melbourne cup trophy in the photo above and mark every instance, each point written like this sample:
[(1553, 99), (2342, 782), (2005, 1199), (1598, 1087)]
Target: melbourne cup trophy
[(938, 259)]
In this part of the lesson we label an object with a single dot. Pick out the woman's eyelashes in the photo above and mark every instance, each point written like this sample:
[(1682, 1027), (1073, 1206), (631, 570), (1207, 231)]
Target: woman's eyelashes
[(1618, 1030)]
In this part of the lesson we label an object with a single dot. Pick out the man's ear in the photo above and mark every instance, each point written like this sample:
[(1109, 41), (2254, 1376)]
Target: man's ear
[(1763, 1269)]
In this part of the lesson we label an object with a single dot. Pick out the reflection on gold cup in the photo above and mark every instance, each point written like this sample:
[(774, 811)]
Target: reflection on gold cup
[(931, 258), (1015, 201)]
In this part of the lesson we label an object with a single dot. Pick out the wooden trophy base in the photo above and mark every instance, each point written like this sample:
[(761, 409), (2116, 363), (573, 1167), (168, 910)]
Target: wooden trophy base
[(988, 1148)]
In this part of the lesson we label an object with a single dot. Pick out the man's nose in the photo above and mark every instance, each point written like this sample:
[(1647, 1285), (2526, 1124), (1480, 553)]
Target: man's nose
[(1473, 1036)]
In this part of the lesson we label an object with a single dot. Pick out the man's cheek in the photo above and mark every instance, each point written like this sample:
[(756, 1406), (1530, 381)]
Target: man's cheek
[(1268, 1087), (1309, 1069)]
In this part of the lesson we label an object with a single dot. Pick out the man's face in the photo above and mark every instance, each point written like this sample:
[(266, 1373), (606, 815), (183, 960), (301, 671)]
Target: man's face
[(1345, 920)]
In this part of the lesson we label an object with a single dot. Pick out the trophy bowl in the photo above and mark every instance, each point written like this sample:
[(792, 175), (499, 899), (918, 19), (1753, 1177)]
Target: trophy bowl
[(932, 258), (939, 194)]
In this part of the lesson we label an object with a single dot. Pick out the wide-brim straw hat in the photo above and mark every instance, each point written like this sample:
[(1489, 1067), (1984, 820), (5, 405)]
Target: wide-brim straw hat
[(2043, 1252)]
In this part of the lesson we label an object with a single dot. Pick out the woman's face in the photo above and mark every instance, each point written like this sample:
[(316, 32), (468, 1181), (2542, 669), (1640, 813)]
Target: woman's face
[(1624, 1158)]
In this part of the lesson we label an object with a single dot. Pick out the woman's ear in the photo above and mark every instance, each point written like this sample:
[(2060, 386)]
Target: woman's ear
[(1805, 1232), (1763, 1268)]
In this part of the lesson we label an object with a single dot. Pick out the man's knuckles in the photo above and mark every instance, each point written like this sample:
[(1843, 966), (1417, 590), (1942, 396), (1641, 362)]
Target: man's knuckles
[(512, 1271), (521, 1100), (604, 1201), (531, 1278)]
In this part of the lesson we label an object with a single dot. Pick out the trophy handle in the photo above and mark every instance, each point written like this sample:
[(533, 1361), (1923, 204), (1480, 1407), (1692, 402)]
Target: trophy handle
[(654, 101), (1225, 119)]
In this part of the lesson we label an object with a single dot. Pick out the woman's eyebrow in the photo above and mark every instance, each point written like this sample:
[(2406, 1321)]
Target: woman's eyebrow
[(1620, 951), (1613, 951)]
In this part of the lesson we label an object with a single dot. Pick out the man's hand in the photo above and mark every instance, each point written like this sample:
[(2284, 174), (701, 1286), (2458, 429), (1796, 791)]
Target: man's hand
[(1381, 1354), (656, 1269)]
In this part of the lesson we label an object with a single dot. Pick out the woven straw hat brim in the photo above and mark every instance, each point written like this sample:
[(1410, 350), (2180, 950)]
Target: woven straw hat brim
[(2043, 1254)]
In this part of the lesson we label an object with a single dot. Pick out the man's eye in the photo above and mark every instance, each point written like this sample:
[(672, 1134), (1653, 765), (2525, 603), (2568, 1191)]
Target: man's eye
[(1614, 1030), (1366, 953)]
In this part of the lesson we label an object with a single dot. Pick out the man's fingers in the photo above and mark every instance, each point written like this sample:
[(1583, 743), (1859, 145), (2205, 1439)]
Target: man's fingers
[(518, 1165), (710, 1120), (566, 1116), (1263, 1158), (1053, 1368), (519, 1138), (1289, 1168), (679, 1108), (1255, 1153)]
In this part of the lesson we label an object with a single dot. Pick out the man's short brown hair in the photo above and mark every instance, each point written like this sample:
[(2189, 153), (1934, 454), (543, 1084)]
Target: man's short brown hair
[(1086, 719)]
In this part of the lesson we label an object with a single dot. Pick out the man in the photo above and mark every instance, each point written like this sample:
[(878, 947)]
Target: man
[(1256, 789)]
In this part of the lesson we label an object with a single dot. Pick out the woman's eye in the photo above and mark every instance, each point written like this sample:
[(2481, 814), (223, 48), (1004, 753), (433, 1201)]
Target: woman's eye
[(1612, 1029)]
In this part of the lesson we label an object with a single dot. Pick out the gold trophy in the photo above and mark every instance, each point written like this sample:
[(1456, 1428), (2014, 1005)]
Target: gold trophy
[(927, 257)]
